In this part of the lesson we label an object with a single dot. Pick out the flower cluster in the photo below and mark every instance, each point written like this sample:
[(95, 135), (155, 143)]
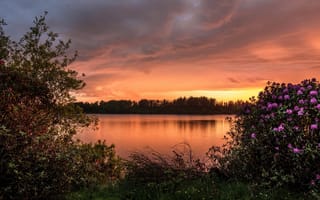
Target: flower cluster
[(281, 133)]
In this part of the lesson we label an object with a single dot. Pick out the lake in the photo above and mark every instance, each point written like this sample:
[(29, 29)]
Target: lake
[(161, 133)]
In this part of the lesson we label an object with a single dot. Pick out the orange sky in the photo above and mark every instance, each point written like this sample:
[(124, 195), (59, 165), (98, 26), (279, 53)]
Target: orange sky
[(134, 49)]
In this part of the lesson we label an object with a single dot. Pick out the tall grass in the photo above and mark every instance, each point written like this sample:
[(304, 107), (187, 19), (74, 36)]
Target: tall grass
[(154, 176)]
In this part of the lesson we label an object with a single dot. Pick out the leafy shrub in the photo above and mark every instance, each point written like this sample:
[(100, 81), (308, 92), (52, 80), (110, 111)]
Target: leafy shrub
[(96, 163), (38, 156), (276, 140), (43, 168)]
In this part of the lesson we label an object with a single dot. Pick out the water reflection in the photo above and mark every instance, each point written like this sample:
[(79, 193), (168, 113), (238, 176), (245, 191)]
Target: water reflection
[(159, 132), (196, 125)]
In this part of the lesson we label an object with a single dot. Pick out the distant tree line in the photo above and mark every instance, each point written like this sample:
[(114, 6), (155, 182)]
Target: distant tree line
[(182, 105)]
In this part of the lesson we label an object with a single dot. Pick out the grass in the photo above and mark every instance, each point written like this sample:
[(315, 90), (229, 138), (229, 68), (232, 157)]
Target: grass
[(110, 192), (157, 177), (199, 189)]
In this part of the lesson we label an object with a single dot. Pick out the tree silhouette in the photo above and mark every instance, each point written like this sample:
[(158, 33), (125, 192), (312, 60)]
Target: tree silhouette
[(182, 105)]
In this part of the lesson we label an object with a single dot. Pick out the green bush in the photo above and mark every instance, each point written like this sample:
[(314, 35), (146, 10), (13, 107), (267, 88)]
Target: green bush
[(276, 140), (38, 156)]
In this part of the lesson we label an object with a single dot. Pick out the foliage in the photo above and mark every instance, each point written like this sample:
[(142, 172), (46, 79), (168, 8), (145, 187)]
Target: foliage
[(156, 176), (105, 192), (182, 105), (200, 187), (38, 119), (97, 163), (276, 140)]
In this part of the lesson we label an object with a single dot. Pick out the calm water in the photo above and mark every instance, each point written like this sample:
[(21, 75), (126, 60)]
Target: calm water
[(159, 132)]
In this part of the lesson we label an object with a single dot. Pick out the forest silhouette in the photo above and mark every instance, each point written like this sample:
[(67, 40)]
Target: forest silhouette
[(182, 105)]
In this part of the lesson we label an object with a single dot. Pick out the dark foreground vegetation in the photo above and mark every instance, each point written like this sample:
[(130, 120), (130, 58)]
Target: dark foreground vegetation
[(154, 176), (272, 151), (182, 105), (38, 157)]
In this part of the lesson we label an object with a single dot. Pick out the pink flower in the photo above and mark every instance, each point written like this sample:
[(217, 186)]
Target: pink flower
[(301, 112), (317, 176), (286, 97), (290, 146), (253, 135), (289, 111), (296, 150), (313, 93), (281, 127), (276, 148), (301, 101), (313, 126), (313, 101), (299, 92), (318, 106)]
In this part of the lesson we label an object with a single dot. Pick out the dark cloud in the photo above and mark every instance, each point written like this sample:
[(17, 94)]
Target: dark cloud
[(250, 37), (110, 23), (233, 80), (145, 27), (214, 14), (256, 79), (149, 49), (150, 25), (102, 77)]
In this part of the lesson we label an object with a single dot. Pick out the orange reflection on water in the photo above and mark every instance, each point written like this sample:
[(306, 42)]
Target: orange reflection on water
[(159, 132)]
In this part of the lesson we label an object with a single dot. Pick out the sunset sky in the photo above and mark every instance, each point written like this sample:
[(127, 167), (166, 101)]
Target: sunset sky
[(156, 49)]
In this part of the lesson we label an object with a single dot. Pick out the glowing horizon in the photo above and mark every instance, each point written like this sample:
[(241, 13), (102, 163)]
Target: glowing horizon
[(219, 95)]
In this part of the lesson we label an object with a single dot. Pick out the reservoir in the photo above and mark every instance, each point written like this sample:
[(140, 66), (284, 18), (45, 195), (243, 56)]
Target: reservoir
[(161, 133)]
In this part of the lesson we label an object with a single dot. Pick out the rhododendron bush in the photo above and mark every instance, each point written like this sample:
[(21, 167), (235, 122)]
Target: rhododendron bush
[(275, 141)]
